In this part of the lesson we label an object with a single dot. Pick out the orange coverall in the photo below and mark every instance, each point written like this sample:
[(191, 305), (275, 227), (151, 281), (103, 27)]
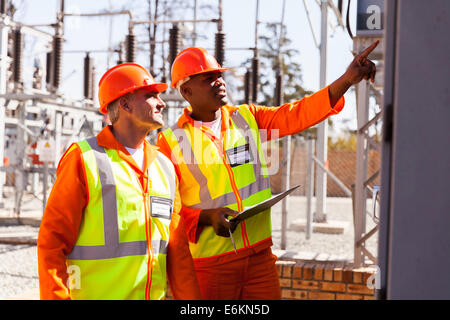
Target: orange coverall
[(62, 217), (238, 276)]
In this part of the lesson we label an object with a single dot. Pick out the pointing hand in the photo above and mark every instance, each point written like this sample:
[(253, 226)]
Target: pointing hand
[(361, 67)]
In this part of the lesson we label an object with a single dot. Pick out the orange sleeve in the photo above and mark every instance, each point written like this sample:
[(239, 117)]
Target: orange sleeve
[(294, 117), (190, 215), (180, 266), (60, 224)]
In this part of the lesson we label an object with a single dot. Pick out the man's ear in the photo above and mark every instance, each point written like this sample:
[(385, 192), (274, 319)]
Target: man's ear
[(124, 104), (185, 91)]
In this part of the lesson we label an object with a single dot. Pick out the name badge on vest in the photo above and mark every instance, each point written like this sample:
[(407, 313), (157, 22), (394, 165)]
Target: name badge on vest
[(239, 155), (161, 207)]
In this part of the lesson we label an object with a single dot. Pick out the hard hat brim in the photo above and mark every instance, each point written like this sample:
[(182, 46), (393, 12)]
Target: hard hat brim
[(155, 87), (158, 87), (174, 85)]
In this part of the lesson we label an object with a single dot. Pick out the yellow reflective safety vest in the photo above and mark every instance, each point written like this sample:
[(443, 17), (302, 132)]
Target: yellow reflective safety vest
[(122, 243), (229, 173)]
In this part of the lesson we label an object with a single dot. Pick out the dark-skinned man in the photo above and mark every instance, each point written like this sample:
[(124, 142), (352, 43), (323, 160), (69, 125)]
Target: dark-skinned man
[(217, 153), (111, 228)]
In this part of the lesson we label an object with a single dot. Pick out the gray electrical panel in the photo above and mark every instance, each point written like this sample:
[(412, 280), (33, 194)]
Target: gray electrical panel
[(414, 234)]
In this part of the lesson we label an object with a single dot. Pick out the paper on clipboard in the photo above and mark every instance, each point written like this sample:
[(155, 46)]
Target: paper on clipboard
[(266, 204)]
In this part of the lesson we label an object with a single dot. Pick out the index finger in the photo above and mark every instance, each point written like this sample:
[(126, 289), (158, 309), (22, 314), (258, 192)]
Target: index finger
[(230, 212), (368, 50)]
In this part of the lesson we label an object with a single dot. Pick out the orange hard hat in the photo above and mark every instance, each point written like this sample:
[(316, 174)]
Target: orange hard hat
[(191, 61), (124, 78)]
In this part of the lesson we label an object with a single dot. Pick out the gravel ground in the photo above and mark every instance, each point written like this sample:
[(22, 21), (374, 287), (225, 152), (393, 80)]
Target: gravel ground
[(18, 263), (338, 245)]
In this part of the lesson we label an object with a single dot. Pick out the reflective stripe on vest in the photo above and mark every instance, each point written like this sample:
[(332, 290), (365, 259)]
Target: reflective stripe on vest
[(250, 193), (188, 154), (206, 201), (112, 248), (102, 264)]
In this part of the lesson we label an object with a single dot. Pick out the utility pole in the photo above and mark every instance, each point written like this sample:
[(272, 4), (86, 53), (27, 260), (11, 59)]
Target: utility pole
[(255, 60), (322, 130), (367, 32), (279, 94), (194, 31), (219, 44), (220, 23), (61, 9), (152, 36)]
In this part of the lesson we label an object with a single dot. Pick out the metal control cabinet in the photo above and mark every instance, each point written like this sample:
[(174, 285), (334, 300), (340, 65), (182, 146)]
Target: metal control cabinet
[(414, 246)]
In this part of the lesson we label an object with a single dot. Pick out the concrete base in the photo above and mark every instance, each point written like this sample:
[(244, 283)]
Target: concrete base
[(19, 238), (329, 227), (28, 221), (284, 255)]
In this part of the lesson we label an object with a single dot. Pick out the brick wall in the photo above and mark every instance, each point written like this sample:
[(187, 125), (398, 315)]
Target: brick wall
[(323, 281)]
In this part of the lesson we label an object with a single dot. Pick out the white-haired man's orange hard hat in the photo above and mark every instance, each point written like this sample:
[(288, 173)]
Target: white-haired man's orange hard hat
[(124, 78)]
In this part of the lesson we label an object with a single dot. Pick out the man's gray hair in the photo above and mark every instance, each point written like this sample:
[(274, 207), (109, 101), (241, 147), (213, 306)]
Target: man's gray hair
[(113, 111)]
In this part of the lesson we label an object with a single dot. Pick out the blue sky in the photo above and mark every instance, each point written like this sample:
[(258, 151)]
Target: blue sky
[(239, 25)]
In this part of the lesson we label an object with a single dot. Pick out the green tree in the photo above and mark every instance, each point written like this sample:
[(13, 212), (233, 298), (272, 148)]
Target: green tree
[(292, 71)]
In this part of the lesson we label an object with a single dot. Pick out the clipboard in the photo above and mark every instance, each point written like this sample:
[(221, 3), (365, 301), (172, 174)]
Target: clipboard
[(260, 207)]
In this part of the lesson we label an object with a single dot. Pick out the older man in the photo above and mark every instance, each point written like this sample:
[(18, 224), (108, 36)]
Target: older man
[(111, 228)]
